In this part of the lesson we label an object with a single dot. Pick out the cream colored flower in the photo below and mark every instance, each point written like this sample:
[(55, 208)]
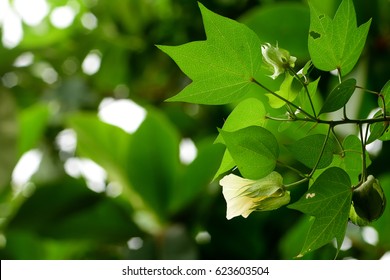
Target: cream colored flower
[(276, 59), (243, 196)]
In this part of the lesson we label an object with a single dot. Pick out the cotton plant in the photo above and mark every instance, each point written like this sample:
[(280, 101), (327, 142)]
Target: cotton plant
[(233, 61)]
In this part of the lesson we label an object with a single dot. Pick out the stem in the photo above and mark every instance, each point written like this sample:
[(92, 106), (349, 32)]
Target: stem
[(321, 153), (363, 142), (338, 142), (289, 186), (292, 169), (339, 74), (304, 84), (284, 99)]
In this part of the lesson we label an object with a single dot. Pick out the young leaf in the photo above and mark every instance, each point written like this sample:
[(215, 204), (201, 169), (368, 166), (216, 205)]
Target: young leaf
[(308, 149), (329, 201), (248, 112), (287, 90), (386, 94), (254, 150), (337, 43), (223, 66), (339, 96)]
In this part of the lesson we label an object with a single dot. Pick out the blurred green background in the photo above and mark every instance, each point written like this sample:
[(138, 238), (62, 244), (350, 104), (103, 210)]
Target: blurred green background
[(95, 165)]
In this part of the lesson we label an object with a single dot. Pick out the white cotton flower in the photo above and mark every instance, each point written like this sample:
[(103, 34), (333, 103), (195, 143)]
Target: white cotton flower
[(277, 59), (243, 196)]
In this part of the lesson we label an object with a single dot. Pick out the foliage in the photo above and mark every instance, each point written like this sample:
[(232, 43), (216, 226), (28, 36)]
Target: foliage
[(333, 45), (74, 184)]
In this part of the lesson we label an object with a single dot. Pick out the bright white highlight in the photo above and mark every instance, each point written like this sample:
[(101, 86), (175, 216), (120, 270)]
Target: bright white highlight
[(66, 140), (123, 113), (370, 235), (26, 167), (94, 175), (188, 151), (12, 31), (24, 60), (32, 12), (91, 63), (62, 17), (89, 21), (135, 243)]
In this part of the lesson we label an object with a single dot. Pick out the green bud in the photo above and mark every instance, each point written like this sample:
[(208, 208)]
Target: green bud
[(243, 196), (368, 202)]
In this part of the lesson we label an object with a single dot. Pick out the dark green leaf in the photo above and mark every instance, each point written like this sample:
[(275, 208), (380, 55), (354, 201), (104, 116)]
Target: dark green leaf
[(33, 121), (339, 96), (196, 176), (308, 150), (337, 43), (329, 201), (222, 67), (254, 150), (9, 132), (153, 162), (103, 143)]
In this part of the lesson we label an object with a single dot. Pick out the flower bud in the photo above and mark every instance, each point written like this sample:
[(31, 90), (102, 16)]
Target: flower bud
[(276, 59), (243, 196), (368, 202)]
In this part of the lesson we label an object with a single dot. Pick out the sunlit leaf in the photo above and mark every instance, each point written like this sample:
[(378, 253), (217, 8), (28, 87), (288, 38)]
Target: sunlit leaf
[(223, 66), (336, 43), (287, 90), (254, 150), (329, 201)]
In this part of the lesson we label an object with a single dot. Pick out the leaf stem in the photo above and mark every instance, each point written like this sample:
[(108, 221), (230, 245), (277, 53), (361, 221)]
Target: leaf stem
[(363, 141), (304, 84), (321, 153), (284, 99)]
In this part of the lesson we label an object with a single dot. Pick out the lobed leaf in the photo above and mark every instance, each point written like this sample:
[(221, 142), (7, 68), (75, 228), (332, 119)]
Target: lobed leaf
[(337, 43), (222, 67), (329, 201)]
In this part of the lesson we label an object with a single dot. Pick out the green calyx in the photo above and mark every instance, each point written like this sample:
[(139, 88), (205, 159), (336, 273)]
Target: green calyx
[(368, 202)]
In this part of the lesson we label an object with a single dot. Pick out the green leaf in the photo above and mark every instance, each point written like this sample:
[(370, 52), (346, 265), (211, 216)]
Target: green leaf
[(105, 144), (339, 96), (379, 130), (350, 160), (153, 162), (196, 176), (254, 150), (248, 112), (287, 90), (316, 99), (227, 164), (329, 201), (386, 94), (33, 121), (337, 43), (222, 67), (9, 133), (307, 150)]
